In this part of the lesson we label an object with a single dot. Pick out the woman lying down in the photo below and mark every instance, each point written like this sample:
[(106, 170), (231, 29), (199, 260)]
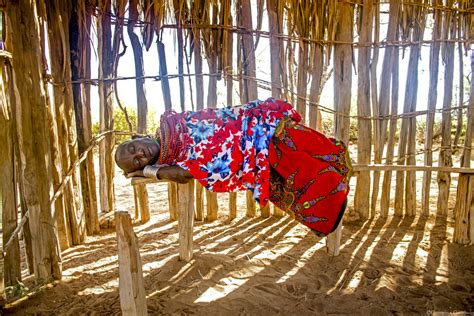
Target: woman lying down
[(259, 146)]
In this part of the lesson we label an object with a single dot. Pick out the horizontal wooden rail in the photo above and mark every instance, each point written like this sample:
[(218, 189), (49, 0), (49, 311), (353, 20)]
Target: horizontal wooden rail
[(377, 167), (357, 168)]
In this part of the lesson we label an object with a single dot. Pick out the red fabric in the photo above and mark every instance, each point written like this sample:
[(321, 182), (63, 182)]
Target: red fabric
[(310, 175)]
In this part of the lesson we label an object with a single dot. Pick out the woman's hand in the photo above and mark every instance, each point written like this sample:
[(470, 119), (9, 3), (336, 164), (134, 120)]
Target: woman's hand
[(136, 173)]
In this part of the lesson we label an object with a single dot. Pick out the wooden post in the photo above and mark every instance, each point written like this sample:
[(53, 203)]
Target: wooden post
[(211, 205), (33, 137), (106, 60), (404, 195), (186, 220), (199, 197), (232, 205), (342, 100), (250, 84), (362, 190), (445, 153), (58, 14), (387, 177), (80, 54), (464, 208), (165, 87), (211, 197), (11, 273), (229, 36), (131, 285), (140, 191), (173, 200)]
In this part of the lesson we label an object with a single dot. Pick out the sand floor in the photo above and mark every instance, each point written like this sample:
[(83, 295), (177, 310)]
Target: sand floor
[(267, 266), (257, 266)]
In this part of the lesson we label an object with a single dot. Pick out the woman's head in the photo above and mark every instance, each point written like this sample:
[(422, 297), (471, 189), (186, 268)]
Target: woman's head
[(135, 154)]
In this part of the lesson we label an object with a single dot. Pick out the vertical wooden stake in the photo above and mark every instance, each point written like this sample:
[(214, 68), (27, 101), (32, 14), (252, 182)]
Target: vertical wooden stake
[(173, 200), (131, 285), (199, 205), (265, 211), (342, 100), (141, 197), (250, 205), (278, 212), (212, 207), (232, 205), (186, 220)]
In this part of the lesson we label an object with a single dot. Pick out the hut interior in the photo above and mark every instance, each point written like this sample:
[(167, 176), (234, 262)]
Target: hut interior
[(392, 79)]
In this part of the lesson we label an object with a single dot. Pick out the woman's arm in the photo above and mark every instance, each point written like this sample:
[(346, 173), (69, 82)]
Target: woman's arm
[(171, 173), (174, 173)]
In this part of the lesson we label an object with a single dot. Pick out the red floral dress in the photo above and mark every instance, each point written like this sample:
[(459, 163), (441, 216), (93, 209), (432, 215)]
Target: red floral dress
[(260, 147)]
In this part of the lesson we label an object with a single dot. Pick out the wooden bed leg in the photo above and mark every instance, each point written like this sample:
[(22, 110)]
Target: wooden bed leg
[(333, 241), (131, 285), (186, 220)]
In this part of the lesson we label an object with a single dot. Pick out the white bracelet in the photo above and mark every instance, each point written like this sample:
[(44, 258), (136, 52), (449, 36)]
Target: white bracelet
[(151, 171)]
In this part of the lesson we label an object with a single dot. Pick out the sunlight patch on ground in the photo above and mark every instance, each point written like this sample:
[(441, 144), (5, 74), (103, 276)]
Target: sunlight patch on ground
[(109, 286), (301, 261)]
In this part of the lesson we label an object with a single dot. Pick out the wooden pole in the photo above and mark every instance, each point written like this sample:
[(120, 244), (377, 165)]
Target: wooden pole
[(275, 27), (165, 87), (80, 55), (342, 100), (379, 128), (362, 190), (199, 201), (140, 191), (6, 72), (199, 106), (407, 133), (106, 106), (58, 14), (445, 153), (131, 285), (212, 53), (11, 273), (464, 208), (173, 200), (250, 84), (230, 85), (387, 179), (186, 220), (432, 99), (33, 137)]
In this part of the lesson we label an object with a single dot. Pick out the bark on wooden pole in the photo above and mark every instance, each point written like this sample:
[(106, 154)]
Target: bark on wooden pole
[(464, 208), (387, 177), (106, 60), (432, 99), (362, 190), (196, 10), (342, 100), (33, 138), (58, 14), (140, 191), (445, 153), (165, 87), (8, 193), (230, 85), (131, 285), (186, 220), (248, 63), (405, 194), (80, 54)]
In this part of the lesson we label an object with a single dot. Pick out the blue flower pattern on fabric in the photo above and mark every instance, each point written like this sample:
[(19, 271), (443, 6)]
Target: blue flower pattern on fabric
[(201, 130), (219, 166)]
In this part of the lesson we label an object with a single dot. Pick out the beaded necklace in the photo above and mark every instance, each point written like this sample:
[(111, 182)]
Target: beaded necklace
[(171, 127)]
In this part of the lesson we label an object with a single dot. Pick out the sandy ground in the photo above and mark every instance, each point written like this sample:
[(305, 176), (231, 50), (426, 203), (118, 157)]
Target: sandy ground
[(268, 266)]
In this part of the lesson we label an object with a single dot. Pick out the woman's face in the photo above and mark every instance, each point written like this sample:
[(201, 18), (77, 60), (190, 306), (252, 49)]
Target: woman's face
[(135, 154)]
